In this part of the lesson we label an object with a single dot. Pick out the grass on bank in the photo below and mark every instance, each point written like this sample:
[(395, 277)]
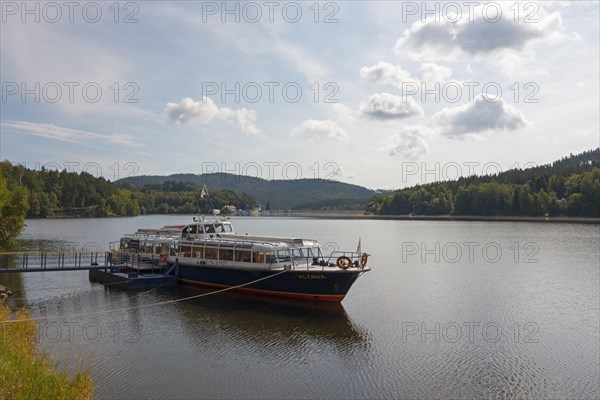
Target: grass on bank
[(25, 373)]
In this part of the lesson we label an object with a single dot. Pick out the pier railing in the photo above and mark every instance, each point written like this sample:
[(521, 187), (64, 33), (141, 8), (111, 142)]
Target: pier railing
[(31, 261)]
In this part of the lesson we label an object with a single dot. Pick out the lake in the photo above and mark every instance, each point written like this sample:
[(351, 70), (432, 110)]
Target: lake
[(450, 310)]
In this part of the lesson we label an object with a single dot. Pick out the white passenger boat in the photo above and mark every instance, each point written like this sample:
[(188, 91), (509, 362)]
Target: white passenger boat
[(210, 253)]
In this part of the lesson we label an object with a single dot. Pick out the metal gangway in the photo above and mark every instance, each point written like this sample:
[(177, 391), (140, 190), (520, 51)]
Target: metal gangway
[(40, 261)]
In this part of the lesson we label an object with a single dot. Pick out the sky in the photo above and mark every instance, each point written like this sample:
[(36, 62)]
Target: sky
[(382, 94)]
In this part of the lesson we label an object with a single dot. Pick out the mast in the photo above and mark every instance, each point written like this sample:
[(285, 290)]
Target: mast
[(205, 193)]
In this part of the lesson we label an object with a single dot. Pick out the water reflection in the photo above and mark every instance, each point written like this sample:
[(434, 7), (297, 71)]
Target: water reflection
[(259, 320), (206, 341)]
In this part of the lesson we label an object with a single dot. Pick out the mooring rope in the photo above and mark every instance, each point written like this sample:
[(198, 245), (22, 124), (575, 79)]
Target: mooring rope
[(144, 305)]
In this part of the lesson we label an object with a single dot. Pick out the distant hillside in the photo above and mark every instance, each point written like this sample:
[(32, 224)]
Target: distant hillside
[(280, 194), (569, 186), (50, 193)]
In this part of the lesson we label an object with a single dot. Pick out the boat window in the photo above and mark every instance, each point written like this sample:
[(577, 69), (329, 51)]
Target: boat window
[(164, 248), (209, 228), (243, 256), (228, 228), (220, 228), (186, 251), (192, 229), (264, 257), (316, 252), (258, 257), (226, 255), (211, 253), (197, 251), (283, 255), (302, 253), (270, 257), (174, 249)]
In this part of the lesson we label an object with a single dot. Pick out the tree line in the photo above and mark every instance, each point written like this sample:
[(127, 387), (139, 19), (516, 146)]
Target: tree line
[(567, 187), (48, 193)]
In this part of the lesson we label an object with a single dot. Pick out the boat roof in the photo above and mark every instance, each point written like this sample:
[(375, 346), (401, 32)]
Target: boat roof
[(176, 234), (239, 242), (297, 242)]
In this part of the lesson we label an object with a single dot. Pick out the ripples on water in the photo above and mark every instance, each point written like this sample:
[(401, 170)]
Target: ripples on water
[(234, 345)]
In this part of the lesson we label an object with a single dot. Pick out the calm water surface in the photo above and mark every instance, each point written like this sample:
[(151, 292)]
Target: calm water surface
[(450, 310)]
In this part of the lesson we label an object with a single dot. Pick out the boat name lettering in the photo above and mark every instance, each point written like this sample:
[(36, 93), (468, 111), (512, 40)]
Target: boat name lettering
[(306, 276)]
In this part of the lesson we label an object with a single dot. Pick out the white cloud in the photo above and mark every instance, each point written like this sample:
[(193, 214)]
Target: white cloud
[(491, 114), (408, 144), (343, 114), (432, 73), (206, 110), (51, 131), (389, 106), (245, 119), (188, 109), (386, 74), (426, 39), (445, 39), (326, 129)]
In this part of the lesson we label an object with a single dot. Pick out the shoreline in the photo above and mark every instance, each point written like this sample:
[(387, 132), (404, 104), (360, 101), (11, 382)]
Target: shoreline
[(475, 218), (358, 215)]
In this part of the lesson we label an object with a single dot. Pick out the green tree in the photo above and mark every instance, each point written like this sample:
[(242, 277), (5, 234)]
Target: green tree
[(401, 203), (13, 209)]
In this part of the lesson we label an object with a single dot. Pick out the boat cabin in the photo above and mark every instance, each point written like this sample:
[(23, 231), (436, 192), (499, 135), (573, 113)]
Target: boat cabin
[(240, 249), (206, 229), (216, 243)]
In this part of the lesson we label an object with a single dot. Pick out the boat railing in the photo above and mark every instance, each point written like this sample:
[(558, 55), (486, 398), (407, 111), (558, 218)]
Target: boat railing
[(308, 263), (356, 258), (128, 260), (150, 236), (302, 263)]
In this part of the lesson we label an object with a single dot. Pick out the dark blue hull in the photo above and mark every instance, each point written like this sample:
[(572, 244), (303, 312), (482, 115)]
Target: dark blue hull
[(323, 285)]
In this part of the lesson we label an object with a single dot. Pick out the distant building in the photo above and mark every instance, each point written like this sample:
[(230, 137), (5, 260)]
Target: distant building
[(256, 210), (232, 209)]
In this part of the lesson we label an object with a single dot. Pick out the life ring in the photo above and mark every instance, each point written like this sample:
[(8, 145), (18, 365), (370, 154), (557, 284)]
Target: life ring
[(363, 259), (344, 262)]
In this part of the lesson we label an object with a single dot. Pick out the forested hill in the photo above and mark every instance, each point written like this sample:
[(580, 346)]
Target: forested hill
[(280, 194), (569, 186), (51, 193)]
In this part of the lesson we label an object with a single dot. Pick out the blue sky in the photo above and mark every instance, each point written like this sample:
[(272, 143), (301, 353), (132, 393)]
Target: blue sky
[(379, 94)]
